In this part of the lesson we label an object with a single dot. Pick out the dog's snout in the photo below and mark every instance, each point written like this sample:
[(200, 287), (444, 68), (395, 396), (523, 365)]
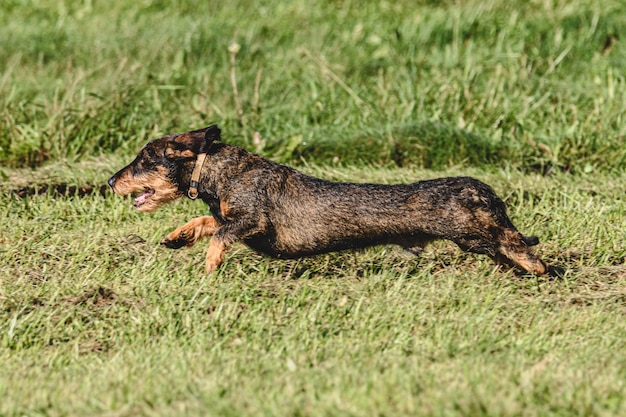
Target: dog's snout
[(111, 182)]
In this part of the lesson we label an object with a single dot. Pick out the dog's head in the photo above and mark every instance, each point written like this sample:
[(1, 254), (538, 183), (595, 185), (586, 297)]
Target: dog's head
[(162, 169)]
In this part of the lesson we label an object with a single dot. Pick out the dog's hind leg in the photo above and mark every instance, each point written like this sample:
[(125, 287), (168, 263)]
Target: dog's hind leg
[(513, 250), (191, 232), (510, 248)]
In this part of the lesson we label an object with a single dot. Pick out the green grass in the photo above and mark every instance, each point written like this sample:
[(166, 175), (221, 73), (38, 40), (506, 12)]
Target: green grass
[(537, 83), (97, 319)]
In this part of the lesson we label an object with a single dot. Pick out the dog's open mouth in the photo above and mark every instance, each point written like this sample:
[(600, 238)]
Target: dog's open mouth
[(143, 197)]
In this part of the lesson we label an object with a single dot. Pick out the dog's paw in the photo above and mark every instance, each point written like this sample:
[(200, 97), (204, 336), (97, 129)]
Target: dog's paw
[(211, 267), (175, 241), (556, 271)]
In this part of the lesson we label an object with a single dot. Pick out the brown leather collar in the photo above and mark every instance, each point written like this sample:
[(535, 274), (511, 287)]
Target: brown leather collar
[(195, 177)]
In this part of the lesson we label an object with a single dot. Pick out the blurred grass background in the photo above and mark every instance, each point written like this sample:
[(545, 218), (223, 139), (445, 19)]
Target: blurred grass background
[(532, 84)]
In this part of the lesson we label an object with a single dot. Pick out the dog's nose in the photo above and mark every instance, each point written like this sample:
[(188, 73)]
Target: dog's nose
[(111, 182)]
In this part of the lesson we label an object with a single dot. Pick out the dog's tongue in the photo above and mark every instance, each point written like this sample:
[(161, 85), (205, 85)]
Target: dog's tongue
[(143, 197)]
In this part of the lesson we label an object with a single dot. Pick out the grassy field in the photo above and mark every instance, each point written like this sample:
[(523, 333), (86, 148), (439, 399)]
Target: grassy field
[(97, 319)]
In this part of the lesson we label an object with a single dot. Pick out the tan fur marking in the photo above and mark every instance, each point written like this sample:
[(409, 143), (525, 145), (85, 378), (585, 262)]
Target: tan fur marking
[(164, 190), (525, 260), (172, 151), (175, 153), (184, 137), (485, 218), (193, 231), (514, 250), (224, 208), (215, 255)]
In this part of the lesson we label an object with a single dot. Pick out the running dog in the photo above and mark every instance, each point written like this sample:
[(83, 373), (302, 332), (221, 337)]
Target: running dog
[(281, 212)]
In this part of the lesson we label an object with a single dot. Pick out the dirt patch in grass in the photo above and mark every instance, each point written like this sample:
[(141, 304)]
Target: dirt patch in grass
[(98, 296)]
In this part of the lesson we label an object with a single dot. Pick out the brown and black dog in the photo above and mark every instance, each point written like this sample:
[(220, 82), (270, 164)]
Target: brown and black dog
[(281, 212)]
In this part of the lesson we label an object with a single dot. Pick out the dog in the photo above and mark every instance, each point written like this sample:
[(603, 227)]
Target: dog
[(281, 212)]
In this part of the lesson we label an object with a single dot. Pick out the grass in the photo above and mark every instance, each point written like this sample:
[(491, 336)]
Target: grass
[(97, 319), (539, 83)]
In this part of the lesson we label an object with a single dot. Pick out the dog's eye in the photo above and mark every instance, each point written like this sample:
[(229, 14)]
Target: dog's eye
[(145, 164), (138, 166)]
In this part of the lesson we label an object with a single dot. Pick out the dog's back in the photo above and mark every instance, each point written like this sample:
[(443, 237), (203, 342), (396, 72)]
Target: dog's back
[(311, 216)]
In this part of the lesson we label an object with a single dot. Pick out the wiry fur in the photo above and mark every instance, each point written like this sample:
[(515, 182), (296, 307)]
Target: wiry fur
[(281, 212)]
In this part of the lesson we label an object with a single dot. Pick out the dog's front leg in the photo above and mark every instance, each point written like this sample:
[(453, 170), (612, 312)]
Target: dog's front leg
[(225, 236), (191, 232), (215, 254)]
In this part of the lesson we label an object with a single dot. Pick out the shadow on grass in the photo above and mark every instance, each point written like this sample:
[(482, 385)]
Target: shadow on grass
[(61, 190)]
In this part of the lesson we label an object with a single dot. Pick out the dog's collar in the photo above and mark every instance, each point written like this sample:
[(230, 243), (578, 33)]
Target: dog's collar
[(195, 177)]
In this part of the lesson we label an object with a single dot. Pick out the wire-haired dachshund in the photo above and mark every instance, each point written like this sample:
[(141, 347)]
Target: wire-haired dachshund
[(279, 211)]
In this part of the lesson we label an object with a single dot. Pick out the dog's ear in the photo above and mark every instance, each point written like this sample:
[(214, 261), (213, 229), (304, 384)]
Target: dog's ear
[(189, 145), (211, 134)]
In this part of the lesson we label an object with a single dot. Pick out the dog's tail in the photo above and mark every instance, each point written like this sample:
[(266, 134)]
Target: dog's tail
[(530, 240)]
